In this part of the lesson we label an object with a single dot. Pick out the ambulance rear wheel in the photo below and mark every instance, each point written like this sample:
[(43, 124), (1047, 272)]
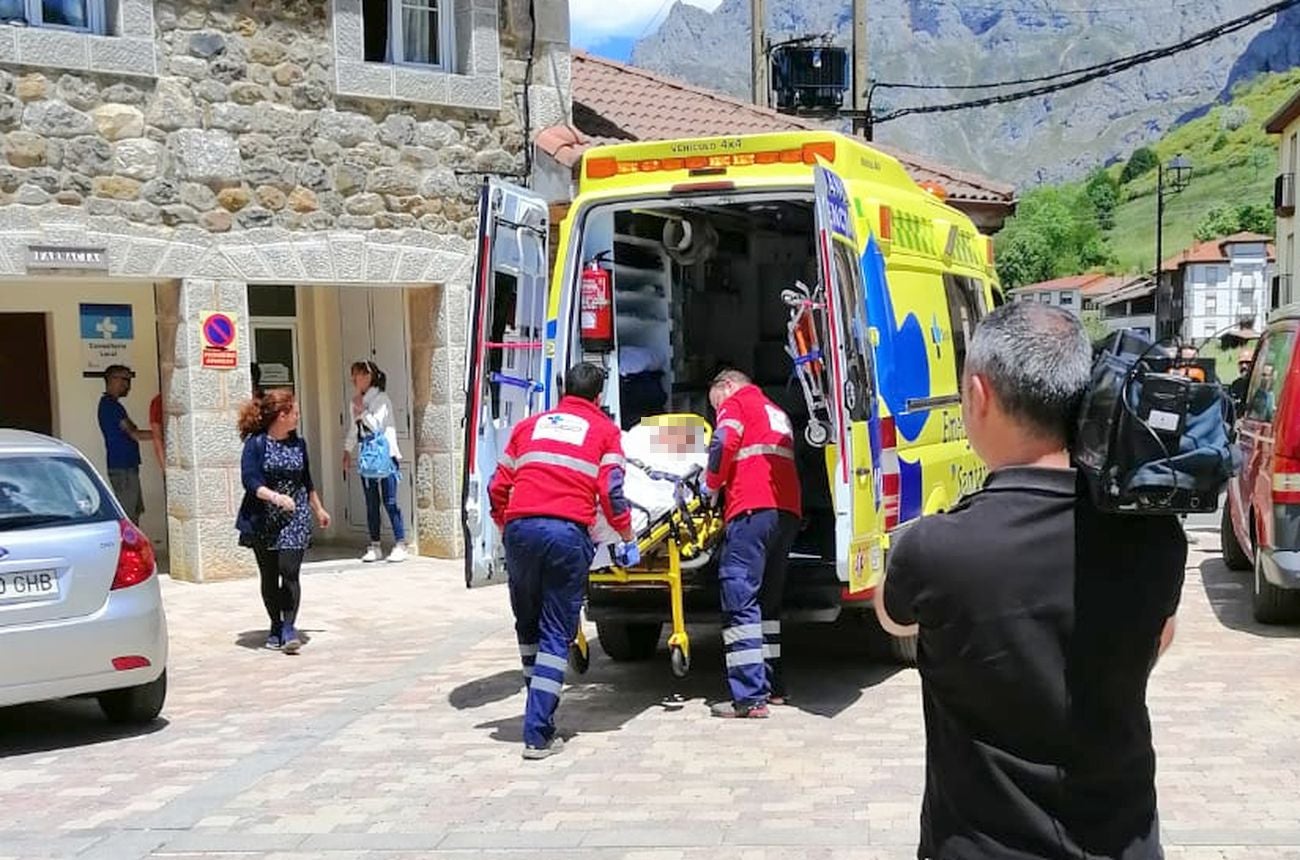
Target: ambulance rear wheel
[(680, 662), (626, 643)]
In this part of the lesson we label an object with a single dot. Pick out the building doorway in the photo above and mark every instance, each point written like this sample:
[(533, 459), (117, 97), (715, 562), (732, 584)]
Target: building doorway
[(25, 373)]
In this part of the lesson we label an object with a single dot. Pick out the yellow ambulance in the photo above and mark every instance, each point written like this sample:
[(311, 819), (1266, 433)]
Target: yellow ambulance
[(809, 260)]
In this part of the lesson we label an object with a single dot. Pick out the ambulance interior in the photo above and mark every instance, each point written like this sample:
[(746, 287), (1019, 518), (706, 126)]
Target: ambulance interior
[(698, 287)]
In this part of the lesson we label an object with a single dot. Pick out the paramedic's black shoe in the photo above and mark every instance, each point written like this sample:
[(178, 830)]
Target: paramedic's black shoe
[(734, 711), (552, 747)]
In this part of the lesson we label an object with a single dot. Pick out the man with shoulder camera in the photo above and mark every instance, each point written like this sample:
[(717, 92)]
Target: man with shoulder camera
[(1039, 622)]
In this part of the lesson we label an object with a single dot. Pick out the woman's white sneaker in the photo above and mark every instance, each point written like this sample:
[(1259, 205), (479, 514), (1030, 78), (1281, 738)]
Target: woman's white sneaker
[(398, 554), (373, 553)]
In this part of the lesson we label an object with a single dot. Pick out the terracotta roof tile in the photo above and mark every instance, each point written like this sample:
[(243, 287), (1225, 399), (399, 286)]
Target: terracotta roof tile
[(614, 102)]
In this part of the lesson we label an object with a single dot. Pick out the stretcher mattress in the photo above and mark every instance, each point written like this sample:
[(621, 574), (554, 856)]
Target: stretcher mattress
[(656, 480)]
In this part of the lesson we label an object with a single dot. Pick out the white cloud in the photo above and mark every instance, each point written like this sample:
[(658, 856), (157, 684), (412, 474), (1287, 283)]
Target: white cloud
[(593, 21)]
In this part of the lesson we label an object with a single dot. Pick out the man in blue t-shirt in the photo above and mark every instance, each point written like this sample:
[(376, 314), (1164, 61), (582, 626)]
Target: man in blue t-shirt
[(122, 441)]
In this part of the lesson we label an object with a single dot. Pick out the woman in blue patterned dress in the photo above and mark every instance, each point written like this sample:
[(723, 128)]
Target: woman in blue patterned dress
[(279, 500)]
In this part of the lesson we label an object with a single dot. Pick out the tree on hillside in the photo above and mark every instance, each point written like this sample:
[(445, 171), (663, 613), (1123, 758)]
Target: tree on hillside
[(1140, 163), (1055, 233), (1103, 191), (1224, 221)]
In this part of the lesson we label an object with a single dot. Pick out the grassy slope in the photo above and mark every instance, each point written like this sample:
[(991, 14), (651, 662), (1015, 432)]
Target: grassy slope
[(1240, 171)]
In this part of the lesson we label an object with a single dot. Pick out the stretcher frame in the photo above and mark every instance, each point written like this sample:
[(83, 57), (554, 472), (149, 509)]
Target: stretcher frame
[(686, 533)]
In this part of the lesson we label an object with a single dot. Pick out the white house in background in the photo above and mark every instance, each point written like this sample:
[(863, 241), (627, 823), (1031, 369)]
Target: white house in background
[(1223, 284), (1075, 293)]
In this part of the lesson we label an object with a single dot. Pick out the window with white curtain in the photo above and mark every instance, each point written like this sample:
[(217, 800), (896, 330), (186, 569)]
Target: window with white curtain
[(408, 32), (86, 16)]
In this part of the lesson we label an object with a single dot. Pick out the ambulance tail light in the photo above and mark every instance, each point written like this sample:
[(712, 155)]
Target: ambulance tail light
[(607, 167), (892, 482), (988, 251)]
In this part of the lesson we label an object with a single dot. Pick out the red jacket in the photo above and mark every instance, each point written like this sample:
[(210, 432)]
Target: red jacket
[(752, 456), (558, 464)]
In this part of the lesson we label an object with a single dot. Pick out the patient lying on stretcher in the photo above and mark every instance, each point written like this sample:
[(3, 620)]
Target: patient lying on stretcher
[(666, 457)]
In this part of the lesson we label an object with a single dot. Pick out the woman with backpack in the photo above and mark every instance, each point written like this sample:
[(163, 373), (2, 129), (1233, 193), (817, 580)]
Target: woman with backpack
[(373, 439), (279, 500)]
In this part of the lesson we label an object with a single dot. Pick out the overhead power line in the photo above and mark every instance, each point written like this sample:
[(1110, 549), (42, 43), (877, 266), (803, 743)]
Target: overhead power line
[(1075, 77)]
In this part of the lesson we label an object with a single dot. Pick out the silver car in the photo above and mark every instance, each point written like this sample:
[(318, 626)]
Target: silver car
[(80, 606)]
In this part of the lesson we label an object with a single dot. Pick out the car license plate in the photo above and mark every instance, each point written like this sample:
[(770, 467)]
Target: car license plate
[(28, 585)]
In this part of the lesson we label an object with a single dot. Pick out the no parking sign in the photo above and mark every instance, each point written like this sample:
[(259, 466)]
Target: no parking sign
[(219, 331)]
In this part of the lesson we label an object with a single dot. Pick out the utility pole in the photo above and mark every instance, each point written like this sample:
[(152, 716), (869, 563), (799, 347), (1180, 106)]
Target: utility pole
[(861, 72), (758, 52)]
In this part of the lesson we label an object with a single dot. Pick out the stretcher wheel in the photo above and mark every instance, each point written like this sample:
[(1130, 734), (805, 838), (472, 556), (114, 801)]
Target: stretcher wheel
[(680, 662), (817, 434), (579, 660)]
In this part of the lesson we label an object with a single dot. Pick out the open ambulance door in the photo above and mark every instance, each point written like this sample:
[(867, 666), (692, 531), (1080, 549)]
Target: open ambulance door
[(504, 381), (856, 478)]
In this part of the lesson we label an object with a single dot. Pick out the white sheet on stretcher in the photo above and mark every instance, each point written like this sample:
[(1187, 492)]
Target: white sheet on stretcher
[(647, 494)]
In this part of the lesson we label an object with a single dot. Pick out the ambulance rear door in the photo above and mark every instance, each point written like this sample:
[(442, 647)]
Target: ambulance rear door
[(505, 374), (857, 477)]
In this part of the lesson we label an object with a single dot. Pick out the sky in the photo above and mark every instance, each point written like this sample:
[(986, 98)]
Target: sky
[(610, 27)]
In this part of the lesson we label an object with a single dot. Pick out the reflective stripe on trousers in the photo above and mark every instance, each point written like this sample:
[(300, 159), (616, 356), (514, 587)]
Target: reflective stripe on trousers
[(547, 562), (745, 551)]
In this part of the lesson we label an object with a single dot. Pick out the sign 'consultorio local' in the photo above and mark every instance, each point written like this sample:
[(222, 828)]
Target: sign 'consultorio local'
[(55, 257)]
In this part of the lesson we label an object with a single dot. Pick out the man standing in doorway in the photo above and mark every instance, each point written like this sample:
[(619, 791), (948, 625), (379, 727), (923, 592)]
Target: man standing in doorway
[(122, 441), (751, 459)]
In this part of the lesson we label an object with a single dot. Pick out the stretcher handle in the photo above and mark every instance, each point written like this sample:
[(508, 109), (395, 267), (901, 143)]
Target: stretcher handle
[(515, 382)]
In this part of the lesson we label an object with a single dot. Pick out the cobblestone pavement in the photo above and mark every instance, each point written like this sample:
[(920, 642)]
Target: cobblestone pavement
[(395, 734)]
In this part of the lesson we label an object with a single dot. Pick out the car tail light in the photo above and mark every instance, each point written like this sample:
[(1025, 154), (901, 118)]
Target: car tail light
[(135, 661), (135, 558)]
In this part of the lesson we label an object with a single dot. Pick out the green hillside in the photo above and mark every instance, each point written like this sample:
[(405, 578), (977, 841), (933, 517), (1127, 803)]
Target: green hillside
[(1108, 223), (1233, 164)]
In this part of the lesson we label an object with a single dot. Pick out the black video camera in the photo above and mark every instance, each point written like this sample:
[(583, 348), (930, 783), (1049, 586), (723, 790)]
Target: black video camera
[(1154, 434)]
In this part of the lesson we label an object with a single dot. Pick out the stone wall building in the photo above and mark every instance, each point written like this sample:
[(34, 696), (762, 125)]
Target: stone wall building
[(310, 168)]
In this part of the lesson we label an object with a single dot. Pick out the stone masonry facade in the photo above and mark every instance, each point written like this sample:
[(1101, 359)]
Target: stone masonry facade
[(212, 145)]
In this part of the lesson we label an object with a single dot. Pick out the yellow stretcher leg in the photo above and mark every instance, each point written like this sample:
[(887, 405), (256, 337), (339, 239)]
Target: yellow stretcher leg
[(679, 644), (580, 650)]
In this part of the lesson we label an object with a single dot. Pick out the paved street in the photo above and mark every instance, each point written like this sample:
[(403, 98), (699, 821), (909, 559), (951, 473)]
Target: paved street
[(396, 734)]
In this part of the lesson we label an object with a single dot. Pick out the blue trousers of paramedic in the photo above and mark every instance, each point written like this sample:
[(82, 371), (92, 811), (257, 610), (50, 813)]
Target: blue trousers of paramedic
[(751, 576), (547, 561)]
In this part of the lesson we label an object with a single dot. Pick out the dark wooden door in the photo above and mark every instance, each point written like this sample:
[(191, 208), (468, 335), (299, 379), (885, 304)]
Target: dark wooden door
[(25, 401)]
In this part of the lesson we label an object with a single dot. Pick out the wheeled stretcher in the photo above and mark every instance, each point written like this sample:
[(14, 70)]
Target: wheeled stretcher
[(804, 348), (677, 527)]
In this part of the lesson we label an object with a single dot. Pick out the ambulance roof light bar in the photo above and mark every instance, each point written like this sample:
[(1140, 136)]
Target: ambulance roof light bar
[(607, 167)]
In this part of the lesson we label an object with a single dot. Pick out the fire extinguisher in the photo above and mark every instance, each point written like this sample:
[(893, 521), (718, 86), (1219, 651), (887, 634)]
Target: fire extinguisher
[(596, 323)]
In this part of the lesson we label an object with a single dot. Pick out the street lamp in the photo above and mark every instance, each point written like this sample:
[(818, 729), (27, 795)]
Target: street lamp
[(1178, 174)]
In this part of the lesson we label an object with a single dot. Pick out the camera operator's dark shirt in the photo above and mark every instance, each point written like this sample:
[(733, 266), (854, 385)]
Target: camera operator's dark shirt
[(1039, 624)]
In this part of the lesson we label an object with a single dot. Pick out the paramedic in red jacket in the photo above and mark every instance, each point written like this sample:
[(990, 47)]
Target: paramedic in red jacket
[(556, 468), (751, 460)]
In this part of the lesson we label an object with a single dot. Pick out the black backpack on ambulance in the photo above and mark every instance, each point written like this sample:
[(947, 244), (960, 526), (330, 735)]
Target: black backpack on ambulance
[(1152, 438)]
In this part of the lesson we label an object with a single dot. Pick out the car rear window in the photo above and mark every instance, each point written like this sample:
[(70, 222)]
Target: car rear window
[(38, 492)]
